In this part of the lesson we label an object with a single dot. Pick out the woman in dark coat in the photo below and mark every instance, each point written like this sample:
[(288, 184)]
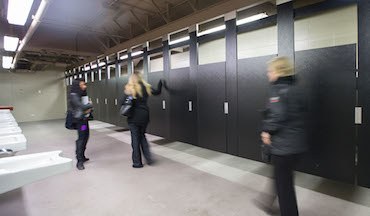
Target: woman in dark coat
[(138, 120), (80, 112), (283, 130)]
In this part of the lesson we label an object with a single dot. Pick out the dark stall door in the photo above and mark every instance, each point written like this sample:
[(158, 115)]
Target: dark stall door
[(103, 100), (92, 91), (157, 106), (328, 77), (112, 108), (252, 96), (183, 107), (120, 86), (211, 114)]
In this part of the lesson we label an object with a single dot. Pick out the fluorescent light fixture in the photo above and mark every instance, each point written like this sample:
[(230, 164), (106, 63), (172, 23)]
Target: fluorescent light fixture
[(87, 68), (18, 11), (94, 66), (101, 64), (123, 57), (251, 18), (179, 40), (212, 30), (10, 43), (137, 53), (7, 62)]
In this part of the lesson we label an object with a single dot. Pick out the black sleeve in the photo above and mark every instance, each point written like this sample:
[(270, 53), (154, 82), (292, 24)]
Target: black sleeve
[(122, 99), (157, 91), (76, 101), (276, 114)]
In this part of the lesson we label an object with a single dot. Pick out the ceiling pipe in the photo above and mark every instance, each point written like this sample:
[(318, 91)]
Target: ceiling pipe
[(35, 23)]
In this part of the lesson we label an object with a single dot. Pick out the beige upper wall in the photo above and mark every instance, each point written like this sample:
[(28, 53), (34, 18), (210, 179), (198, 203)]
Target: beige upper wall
[(330, 28), (212, 51), (260, 42), (35, 96)]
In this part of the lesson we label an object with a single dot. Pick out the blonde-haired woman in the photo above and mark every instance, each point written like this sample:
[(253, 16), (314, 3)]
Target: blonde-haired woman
[(138, 120), (283, 130)]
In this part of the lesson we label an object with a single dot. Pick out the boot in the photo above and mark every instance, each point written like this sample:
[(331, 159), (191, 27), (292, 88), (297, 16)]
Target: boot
[(80, 166)]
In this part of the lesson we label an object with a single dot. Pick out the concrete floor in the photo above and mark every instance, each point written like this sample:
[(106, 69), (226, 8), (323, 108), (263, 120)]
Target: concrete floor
[(186, 180)]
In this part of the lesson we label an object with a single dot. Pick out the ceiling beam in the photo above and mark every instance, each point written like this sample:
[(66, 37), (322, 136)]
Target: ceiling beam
[(112, 38), (137, 7), (202, 15), (192, 6), (160, 13), (101, 42), (143, 26)]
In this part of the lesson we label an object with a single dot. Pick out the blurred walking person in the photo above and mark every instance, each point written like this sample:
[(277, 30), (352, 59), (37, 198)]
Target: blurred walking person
[(139, 91), (81, 109), (283, 130)]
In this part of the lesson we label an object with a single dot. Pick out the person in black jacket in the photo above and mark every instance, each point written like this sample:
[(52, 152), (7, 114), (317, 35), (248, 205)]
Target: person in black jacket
[(80, 112), (138, 119), (283, 130)]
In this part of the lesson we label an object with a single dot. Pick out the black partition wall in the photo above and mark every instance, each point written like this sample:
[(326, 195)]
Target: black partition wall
[(252, 98), (328, 78), (217, 106), (158, 106), (211, 84), (120, 86), (182, 118)]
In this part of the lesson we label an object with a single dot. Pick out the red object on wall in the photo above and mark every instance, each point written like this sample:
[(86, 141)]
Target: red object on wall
[(7, 107)]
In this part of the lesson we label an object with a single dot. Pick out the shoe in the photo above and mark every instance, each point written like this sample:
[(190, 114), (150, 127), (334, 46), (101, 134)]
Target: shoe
[(85, 159), (150, 163), (137, 166), (80, 166), (270, 210)]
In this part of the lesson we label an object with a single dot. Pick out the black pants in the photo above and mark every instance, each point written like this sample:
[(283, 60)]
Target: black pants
[(283, 168), (83, 136), (139, 143)]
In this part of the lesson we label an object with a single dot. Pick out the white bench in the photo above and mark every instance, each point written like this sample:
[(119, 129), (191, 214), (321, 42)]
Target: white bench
[(15, 142), (18, 171), (5, 131)]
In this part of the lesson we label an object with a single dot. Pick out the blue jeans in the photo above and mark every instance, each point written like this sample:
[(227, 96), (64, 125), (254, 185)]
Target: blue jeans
[(139, 143)]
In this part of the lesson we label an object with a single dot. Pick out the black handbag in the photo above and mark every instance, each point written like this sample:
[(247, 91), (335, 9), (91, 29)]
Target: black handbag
[(266, 153), (126, 108), (70, 123)]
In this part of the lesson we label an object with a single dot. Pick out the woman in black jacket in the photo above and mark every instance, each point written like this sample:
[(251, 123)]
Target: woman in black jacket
[(80, 112), (283, 130), (138, 120)]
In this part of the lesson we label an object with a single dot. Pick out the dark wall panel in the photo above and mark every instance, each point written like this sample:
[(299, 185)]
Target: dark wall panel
[(285, 23), (120, 84), (211, 97), (328, 77), (364, 91), (102, 93), (157, 125), (113, 114), (252, 97), (183, 122)]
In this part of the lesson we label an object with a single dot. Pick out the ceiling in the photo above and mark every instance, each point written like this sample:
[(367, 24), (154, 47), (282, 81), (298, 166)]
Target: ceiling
[(73, 30)]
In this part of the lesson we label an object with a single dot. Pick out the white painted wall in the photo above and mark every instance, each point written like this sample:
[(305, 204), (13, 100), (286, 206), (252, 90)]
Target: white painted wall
[(260, 42), (35, 96), (180, 60), (331, 28), (156, 65), (212, 51)]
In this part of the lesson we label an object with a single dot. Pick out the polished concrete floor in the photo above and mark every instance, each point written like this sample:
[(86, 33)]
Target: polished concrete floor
[(185, 180)]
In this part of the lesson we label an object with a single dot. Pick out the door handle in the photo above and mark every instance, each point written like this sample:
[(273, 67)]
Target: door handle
[(164, 104), (190, 106), (226, 108)]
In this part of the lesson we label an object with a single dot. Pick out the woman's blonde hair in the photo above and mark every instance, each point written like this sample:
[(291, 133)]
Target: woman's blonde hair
[(133, 87), (282, 66)]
